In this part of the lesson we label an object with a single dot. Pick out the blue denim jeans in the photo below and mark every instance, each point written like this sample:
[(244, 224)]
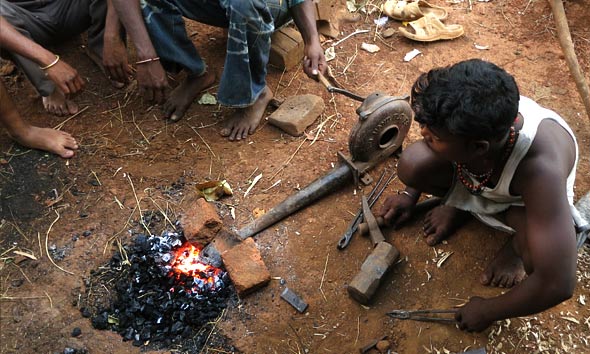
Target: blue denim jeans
[(250, 24)]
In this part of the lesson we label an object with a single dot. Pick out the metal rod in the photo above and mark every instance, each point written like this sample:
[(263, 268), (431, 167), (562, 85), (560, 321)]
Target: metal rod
[(314, 191)]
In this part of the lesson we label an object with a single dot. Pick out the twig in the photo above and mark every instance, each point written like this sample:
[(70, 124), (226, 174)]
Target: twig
[(204, 142), (323, 276), (286, 162), (350, 35), (254, 181), (137, 126), (49, 297), (47, 248), (138, 206), (60, 125)]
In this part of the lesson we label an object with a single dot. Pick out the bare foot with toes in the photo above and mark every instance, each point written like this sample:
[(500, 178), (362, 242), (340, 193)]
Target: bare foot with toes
[(184, 94), (441, 222), (245, 121), (58, 104), (47, 139), (506, 270)]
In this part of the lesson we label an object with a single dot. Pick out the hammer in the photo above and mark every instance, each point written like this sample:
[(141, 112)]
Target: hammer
[(384, 255)]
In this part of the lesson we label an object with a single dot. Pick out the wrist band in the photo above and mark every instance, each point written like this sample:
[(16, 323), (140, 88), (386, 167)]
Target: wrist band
[(147, 60), (50, 64), (404, 192)]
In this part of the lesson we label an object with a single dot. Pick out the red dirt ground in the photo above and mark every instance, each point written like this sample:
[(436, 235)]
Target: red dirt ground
[(122, 136)]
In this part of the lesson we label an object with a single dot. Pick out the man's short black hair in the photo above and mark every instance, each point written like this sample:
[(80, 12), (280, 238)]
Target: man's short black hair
[(473, 98)]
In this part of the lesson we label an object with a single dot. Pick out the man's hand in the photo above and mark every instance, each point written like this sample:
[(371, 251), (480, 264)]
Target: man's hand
[(397, 209), (65, 77), (472, 316), (114, 60), (314, 61), (152, 81)]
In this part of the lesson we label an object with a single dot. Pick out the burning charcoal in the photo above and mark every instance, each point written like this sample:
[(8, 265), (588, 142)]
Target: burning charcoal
[(76, 332)]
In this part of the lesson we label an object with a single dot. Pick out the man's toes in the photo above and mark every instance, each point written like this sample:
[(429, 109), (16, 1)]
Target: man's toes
[(71, 108), (225, 132), (177, 115), (66, 153), (485, 278)]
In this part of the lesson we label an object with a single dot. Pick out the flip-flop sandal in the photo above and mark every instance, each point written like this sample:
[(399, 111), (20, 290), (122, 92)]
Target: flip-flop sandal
[(402, 10), (429, 29)]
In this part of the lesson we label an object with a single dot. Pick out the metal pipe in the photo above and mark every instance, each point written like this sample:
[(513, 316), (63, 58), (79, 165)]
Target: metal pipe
[(314, 191)]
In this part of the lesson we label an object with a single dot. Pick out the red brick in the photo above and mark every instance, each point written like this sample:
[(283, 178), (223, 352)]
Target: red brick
[(200, 221), (297, 113), (245, 267)]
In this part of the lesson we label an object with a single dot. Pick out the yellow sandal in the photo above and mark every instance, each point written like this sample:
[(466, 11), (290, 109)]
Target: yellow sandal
[(429, 29), (402, 10)]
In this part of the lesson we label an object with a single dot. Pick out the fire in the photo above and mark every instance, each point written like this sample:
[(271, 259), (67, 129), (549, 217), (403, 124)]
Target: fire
[(187, 263)]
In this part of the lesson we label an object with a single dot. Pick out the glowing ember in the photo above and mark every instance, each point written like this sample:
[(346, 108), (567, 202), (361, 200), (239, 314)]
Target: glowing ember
[(187, 264)]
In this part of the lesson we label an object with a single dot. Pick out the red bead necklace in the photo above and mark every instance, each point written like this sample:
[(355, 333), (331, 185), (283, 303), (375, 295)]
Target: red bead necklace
[(476, 189)]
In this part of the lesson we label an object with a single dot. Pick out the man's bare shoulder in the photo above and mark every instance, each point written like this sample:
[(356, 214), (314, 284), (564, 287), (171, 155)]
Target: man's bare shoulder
[(551, 156)]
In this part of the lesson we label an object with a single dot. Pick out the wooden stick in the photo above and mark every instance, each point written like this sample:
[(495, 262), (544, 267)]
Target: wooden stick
[(565, 40)]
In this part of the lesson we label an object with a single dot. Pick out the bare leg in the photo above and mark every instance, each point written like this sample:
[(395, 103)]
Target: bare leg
[(441, 222), (47, 139), (509, 268), (244, 121), (58, 104), (184, 94)]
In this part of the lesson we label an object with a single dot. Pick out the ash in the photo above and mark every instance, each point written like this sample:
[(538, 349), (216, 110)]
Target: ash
[(148, 306)]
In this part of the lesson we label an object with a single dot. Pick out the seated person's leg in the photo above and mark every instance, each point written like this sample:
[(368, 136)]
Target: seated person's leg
[(167, 31), (243, 83), (38, 28), (47, 139), (421, 169)]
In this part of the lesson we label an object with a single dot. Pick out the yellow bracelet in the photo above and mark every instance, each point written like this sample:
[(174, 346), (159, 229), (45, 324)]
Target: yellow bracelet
[(50, 64), (147, 60)]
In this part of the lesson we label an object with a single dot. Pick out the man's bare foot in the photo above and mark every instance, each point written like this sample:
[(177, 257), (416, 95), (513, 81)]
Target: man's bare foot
[(506, 270), (58, 104), (441, 222), (244, 121), (184, 94), (47, 139)]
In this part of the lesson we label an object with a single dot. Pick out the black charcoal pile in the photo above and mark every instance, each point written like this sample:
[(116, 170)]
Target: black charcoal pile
[(150, 304)]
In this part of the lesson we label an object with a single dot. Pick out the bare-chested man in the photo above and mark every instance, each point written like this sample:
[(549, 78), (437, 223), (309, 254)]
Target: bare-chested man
[(59, 72), (50, 22), (509, 162), (159, 33)]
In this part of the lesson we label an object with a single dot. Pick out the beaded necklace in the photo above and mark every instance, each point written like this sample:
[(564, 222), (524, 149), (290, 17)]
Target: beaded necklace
[(476, 189)]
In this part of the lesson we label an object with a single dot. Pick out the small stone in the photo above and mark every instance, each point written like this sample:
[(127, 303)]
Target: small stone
[(382, 346), (94, 182), (83, 214), (76, 332), (388, 33), (86, 233)]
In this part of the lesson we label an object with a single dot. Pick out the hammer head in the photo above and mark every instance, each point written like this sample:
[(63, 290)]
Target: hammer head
[(365, 283)]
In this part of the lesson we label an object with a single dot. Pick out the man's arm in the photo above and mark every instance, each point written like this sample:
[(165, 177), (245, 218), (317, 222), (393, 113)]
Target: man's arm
[(63, 75), (151, 76), (114, 53), (304, 16), (550, 245)]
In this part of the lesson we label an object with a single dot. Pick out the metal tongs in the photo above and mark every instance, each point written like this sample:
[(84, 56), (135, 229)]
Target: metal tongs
[(424, 315)]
